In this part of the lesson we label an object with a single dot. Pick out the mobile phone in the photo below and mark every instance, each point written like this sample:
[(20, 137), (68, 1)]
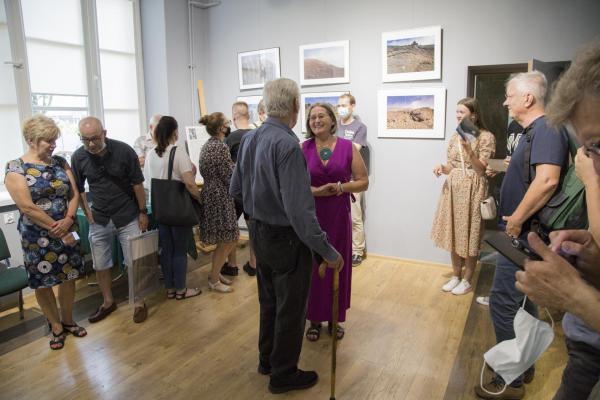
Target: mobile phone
[(516, 250)]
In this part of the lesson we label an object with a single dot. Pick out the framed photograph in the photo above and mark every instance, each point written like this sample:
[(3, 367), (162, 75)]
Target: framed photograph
[(415, 113), (252, 102), (255, 68), (325, 63), (308, 99), (411, 55)]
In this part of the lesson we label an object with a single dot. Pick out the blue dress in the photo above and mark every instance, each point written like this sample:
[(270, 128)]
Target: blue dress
[(48, 261)]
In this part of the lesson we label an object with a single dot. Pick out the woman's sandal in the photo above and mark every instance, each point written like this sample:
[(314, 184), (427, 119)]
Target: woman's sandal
[(340, 331), (313, 333), (188, 293), (171, 295), (74, 330), (58, 340)]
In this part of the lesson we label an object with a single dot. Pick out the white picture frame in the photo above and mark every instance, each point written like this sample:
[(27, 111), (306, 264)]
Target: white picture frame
[(412, 54), (412, 113), (307, 99), (252, 102), (325, 63), (257, 67)]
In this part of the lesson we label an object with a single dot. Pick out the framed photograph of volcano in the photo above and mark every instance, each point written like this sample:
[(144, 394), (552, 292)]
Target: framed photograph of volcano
[(255, 68), (414, 113), (411, 55), (325, 63)]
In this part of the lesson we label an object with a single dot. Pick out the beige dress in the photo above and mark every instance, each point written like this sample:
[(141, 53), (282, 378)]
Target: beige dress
[(457, 225)]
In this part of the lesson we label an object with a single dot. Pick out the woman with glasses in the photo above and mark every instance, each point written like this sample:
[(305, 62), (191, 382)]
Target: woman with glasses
[(43, 188), (457, 226), (218, 224), (336, 171)]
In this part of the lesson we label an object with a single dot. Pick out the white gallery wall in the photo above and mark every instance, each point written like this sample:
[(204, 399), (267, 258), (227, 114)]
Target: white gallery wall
[(403, 191)]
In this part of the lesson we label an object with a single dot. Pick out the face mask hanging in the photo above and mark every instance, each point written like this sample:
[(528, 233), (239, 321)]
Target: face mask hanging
[(511, 358)]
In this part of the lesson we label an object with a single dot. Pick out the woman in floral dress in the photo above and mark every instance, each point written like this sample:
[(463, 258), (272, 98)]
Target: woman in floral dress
[(43, 188)]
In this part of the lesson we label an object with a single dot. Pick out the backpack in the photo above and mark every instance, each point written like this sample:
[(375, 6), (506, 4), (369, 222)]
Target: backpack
[(567, 208)]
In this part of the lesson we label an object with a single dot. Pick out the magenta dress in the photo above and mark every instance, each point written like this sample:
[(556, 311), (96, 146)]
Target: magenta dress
[(333, 214)]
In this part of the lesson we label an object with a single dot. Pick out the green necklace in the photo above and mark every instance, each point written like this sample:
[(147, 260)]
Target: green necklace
[(325, 153)]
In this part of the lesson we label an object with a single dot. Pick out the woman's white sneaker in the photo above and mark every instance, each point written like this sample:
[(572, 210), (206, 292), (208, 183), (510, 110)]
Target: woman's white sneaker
[(451, 284), (463, 287)]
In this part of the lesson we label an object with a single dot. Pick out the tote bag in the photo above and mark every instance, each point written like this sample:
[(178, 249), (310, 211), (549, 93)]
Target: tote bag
[(171, 202)]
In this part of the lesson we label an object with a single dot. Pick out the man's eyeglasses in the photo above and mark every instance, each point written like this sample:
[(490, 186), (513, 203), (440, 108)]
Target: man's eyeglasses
[(93, 139)]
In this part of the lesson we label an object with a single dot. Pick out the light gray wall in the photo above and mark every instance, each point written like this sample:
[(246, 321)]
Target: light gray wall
[(152, 14), (166, 58), (403, 192)]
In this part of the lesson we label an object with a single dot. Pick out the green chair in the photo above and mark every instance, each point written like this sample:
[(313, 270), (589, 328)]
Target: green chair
[(11, 279)]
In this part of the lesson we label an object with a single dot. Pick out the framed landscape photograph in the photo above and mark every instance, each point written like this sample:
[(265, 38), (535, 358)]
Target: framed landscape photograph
[(257, 67), (411, 55), (308, 99), (415, 113), (252, 102), (325, 63)]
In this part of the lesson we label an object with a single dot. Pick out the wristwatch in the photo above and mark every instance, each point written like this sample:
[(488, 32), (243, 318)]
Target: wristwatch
[(144, 210)]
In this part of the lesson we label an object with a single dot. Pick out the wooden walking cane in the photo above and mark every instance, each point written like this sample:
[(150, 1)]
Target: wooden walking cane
[(334, 321)]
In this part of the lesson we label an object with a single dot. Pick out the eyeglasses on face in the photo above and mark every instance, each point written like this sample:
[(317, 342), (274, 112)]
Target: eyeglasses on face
[(94, 139)]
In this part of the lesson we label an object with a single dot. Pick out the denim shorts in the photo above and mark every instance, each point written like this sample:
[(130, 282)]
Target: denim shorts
[(101, 242)]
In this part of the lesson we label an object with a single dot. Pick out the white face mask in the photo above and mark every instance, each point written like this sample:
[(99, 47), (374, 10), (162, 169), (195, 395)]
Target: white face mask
[(343, 112), (511, 358)]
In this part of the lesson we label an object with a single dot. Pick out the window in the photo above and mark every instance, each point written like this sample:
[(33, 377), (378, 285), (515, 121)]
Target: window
[(116, 38), (57, 65), (81, 60)]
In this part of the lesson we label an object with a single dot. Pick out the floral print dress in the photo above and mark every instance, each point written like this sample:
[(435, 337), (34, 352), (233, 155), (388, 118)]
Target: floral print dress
[(457, 225), (48, 261), (218, 222)]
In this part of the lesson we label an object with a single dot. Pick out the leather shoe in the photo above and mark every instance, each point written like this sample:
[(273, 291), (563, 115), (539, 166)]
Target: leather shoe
[(102, 313), (230, 270), (496, 386), (249, 270), (296, 381), (264, 370), (140, 314)]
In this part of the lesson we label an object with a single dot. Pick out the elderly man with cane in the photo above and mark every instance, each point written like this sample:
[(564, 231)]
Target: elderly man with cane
[(272, 183)]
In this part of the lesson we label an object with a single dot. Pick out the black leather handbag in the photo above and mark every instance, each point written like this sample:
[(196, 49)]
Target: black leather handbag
[(172, 204)]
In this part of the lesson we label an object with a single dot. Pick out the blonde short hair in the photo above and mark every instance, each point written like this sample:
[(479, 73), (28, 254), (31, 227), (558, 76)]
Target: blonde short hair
[(39, 127)]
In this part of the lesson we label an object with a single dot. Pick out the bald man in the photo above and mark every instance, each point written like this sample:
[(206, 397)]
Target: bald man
[(115, 180)]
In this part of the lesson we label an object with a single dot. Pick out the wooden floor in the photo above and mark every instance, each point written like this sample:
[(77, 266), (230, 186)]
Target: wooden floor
[(402, 339)]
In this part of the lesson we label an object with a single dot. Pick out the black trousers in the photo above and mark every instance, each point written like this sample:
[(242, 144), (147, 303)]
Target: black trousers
[(581, 373), (284, 271)]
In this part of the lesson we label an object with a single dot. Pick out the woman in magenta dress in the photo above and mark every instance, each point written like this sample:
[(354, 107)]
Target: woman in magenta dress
[(336, 170)]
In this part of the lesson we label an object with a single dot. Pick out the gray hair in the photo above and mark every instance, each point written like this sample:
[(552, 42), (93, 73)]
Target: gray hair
[(154, 120), (279, 96), (261, 107), (533, 83)]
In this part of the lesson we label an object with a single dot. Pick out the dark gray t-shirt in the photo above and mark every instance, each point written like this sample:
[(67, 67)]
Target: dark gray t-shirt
[(111, 178)]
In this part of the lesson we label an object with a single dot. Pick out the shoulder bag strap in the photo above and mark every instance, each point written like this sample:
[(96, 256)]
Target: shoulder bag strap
[(528, 171), (171, 160)]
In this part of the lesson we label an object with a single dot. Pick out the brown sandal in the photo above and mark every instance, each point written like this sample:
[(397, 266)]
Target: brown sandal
[(74, 330), (58, 339)]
